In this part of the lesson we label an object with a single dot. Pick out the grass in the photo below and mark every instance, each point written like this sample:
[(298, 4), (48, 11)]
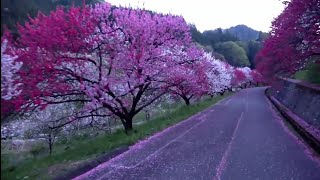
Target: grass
[(301, 75), (311, 73), (83, 149)]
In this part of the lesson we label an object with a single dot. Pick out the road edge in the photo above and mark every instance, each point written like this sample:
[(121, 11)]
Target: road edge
[(308, 135), (83, 168)]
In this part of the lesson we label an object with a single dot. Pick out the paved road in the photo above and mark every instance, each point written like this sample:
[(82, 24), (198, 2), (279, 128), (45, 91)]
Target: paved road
[(240, 138)]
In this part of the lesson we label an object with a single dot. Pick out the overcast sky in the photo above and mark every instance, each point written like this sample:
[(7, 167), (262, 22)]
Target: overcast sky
[(211, 14)]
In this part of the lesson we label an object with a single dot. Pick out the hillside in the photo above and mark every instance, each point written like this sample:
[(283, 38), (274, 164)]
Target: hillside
[(237, 45), (243, 32)]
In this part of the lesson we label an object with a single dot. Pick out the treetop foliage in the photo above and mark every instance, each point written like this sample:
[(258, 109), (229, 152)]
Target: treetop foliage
[(293, 42)]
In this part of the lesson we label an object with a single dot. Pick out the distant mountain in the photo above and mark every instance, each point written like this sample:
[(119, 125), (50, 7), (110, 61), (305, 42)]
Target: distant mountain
[(243, 32)]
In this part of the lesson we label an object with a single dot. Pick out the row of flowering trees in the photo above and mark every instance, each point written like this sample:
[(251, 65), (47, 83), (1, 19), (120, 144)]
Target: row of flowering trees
[(294, 40), (110, 62)]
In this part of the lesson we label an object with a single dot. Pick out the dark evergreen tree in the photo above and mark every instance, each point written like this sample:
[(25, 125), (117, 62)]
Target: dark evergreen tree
[(17, 11)]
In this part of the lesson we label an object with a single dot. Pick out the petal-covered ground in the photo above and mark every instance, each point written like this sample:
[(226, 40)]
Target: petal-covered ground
[(241, 137)]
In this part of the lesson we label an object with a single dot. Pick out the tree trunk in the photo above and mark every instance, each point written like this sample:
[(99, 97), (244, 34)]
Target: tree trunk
[(221, 93), (187, 101), (147, 115), (50, 144), (50, 148), (128, 125)]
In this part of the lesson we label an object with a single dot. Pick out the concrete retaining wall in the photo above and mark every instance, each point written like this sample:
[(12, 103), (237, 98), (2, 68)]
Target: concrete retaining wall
[(302, 98)]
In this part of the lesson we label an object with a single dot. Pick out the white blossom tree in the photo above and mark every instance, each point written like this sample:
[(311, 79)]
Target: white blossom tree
[(219, 75), (9, 69)]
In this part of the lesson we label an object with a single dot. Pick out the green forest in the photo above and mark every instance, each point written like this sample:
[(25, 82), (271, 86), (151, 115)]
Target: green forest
[(237, 45)]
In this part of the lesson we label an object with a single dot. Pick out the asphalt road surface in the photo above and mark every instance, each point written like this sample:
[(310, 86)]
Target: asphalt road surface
[(240, 138)]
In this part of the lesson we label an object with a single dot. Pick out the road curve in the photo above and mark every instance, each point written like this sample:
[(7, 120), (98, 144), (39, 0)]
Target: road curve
[(239, 138)]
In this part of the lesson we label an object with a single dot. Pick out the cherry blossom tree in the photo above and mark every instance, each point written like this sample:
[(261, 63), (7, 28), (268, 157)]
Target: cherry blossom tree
[(191, 81), (238, 78), (256, 77), (48, 119), (113, 61), (248, 78), (9, 69), (293, 42)]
